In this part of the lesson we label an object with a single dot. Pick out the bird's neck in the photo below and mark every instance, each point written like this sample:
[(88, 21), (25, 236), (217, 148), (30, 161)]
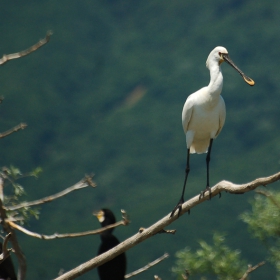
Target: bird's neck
[(216, 80)]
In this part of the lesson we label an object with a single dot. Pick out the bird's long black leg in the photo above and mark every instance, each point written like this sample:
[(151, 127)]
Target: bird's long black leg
[(181, 201), (207, 167)]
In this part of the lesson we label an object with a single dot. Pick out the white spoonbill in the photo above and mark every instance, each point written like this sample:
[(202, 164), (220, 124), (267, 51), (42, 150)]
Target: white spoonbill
[(204, 114)]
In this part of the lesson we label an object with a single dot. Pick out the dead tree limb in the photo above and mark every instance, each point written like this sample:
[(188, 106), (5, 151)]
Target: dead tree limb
[(251, 269), (165, 221), (33, 48), (65, 235), (146, 267), (86, 182), (12, 130)]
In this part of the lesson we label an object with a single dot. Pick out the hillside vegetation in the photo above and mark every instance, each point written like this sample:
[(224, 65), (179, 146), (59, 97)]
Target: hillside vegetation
[(105, 97)]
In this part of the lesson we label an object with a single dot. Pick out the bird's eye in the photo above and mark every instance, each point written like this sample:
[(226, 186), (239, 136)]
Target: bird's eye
[(220, 54)]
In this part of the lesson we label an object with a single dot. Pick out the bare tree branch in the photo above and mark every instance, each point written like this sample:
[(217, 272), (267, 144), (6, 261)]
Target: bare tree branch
[(5, 251), (33, 48), (270, 197), (86, 182), (12, 130), (156, 277), (146, 267), (165, 221), (123, 222), (251, 269)]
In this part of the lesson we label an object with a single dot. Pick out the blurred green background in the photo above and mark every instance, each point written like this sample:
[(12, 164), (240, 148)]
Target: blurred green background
[(105, 97)]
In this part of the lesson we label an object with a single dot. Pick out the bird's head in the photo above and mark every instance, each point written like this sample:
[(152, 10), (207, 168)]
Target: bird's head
[(218, 56), (105, 217)]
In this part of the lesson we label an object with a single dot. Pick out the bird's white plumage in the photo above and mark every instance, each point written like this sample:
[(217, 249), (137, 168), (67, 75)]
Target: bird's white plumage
[(204, 111)]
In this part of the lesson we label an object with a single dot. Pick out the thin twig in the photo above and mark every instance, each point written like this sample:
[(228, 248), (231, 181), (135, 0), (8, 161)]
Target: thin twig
[(156, 277), (251, 269), (269, 196), (164, 222), (86, 182), (146, 267), (12, 130), (169, 231), (33, 48), (5, 251), (64, 235)]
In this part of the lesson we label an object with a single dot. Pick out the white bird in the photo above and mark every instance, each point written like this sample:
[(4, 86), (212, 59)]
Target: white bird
[(204, 114)]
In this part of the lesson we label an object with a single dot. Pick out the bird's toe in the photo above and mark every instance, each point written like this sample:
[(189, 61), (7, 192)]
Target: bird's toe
[(177, 207), (204, 191)]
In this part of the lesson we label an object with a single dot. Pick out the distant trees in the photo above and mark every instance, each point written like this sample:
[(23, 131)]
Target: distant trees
[(217, 259)]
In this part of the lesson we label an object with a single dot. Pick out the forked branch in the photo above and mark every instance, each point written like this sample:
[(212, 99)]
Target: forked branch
[(165, 221)]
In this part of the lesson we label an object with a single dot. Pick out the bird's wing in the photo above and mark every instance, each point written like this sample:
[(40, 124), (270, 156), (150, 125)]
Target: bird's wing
[(222, 115), (187, 112)]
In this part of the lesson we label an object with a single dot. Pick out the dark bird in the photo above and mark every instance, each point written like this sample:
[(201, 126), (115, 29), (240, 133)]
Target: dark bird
[(114, 269), (204, 114), (7, 270)]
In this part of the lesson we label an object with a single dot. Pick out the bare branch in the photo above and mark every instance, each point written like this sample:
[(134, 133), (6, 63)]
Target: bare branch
[(146, 267), (12, 130), (164, 222), (156, 277), (65, 235), (270, 197), (5, 251), (251, 269), (86, 182), (33, 48)]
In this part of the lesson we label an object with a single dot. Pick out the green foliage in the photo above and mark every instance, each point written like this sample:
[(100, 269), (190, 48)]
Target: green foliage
[(217, 259), (13, 197), (264, 218), (264, 223)]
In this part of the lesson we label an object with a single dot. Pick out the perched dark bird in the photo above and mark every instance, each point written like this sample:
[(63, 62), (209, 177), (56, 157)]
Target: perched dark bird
[(114, 269), (7, 270)]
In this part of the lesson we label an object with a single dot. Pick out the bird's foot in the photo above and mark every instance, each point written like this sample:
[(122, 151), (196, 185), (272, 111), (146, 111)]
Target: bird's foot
[(203, 192), (220, 195), (178, 206)]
